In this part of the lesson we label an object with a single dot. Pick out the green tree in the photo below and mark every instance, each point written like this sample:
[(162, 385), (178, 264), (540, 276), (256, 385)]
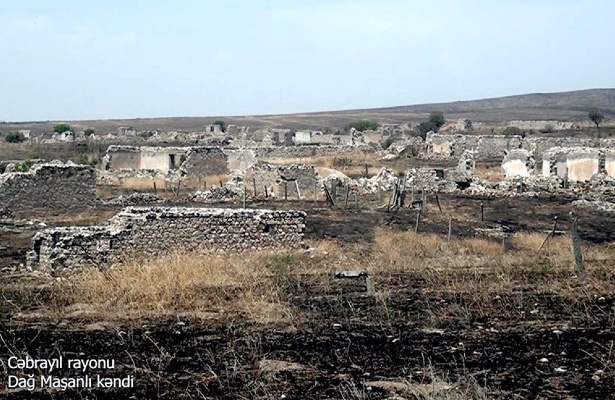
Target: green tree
[(437, 119), (512, 131), (14, 137), (596, 116), (89, 131), (61, 128), (221, 123), (363, 125)]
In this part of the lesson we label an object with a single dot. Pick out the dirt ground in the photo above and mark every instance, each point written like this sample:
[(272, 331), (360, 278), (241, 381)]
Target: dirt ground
[(525, 343)]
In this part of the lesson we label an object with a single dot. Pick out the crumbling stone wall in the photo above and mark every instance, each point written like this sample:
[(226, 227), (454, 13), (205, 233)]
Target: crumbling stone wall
[(205, 161), (518, 162), (295, 181), (49, 186), (575, 164), (150, 232), (485, 147), (310, 151)]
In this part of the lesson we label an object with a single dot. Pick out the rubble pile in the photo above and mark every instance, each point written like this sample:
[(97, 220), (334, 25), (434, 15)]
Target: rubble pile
[(384, 180), (135, 199)]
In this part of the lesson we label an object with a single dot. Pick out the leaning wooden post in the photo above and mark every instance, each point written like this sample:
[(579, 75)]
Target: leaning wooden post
[(576, 247), (155, 190), (438, 202), (552, 233), (266, 192), (418, 220), (482, 211), (254, 185), (366, 170), (285, 190), (328, 195), (298, 191), (450, 227)]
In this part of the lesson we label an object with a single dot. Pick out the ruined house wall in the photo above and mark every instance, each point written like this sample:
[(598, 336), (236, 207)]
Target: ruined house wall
[(518, 163), (151, 232), (497, 146), (49, 187), (208, 161), (576, 164), (582, 166), (240, 159), (484, 147), (309, 151), (291, 181), (125, 159)]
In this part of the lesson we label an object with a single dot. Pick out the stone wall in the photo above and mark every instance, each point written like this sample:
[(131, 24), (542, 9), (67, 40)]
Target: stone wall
[(264, 153), (49, 186), (295, 181), (518, 163), (145, 232), (576, 164), (484, 147)]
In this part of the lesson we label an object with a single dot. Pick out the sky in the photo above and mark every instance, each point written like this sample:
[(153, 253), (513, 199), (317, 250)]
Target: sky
[(74, 59)]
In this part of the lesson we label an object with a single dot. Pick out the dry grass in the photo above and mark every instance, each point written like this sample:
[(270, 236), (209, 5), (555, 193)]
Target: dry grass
[(489, 173), (180, 283), (260, 286), (147, 184)]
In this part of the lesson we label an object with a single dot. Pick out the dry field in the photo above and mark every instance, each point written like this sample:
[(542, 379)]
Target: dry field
[(428, 319)]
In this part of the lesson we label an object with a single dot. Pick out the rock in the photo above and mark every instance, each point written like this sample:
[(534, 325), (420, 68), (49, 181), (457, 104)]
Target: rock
[(275, 366)]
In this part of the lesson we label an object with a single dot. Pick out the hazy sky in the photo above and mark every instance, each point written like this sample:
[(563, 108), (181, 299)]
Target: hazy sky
[(63, 59)]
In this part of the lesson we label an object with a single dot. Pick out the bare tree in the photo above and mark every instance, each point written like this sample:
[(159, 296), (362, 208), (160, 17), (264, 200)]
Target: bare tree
[(596, 116)]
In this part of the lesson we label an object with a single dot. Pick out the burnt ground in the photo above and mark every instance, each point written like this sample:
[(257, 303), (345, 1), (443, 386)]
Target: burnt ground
[(355, 224), (348, 340), (342, 341)]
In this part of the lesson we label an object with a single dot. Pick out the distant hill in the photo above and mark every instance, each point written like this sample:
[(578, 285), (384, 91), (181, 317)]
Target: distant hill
[(565, 106)]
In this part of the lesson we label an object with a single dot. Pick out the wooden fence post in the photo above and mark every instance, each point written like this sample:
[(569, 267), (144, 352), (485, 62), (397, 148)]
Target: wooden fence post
[(438, 203), (418, 220), (576, 248), (482, 211), (550, 234), (298, 191)]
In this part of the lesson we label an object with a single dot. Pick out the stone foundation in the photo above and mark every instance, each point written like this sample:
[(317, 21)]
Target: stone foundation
[(145, 232), (50, 186)]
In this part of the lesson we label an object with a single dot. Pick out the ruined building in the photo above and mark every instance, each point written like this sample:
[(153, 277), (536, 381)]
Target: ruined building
[(143, 232), (49, 186)]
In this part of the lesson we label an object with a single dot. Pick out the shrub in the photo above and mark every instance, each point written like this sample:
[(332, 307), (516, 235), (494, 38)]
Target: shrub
[(363, 125), (221, 123), (342, 162), (24, 166), (512, 131), (89, 132), (437, 119), (433, 124), (14, 137), (61, 128)]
